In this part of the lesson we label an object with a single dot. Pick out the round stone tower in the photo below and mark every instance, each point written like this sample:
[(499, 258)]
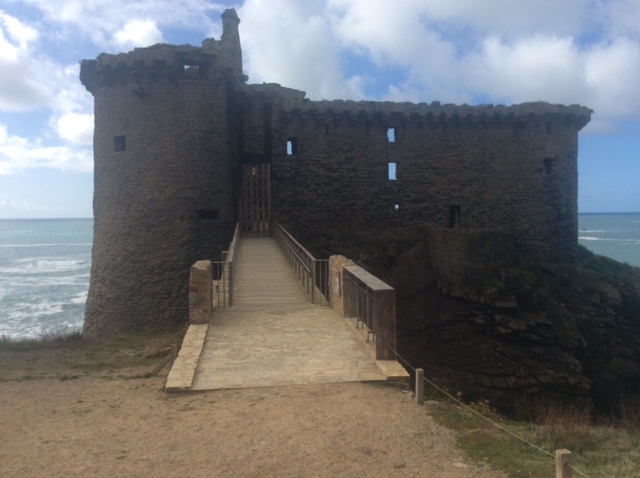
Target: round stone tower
[(165, 155)]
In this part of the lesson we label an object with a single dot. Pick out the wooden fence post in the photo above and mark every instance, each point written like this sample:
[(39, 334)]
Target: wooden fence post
[(563, 464), (419, 385)]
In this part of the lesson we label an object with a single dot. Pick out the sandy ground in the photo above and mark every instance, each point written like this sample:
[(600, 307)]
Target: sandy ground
[(102, 424)]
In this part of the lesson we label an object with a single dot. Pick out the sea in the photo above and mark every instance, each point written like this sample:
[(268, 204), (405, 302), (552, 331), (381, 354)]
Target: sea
[(44, 275), (45, 266)]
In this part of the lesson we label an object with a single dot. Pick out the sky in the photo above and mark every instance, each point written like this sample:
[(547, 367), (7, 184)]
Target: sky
[(506, 52)]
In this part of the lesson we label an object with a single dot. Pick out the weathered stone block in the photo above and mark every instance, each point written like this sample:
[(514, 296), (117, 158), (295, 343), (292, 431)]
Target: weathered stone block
[(200, 292)]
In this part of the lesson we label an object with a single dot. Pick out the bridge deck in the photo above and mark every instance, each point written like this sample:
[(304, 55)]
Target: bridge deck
[(273, 336)]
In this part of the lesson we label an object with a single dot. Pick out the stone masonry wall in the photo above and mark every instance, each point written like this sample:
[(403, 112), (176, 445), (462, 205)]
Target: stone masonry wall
[(164, 188), (505, 168)]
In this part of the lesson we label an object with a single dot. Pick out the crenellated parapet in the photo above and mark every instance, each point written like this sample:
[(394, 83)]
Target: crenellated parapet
[(155, 64), (435, 112), (163, 63)]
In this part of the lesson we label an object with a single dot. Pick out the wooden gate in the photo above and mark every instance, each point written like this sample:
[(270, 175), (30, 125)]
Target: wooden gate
[(255, 200)]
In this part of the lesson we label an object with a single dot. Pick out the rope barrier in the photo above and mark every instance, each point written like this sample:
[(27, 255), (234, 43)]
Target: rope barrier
[(497, 425)]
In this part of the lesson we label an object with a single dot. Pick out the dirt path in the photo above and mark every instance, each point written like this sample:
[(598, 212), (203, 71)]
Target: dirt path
[(82, 409), (102, 427)]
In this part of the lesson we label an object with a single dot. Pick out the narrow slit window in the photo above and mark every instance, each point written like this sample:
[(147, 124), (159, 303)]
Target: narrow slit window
[(454, 217), (292, 146), (207, 214), (391, 135), (326, 130), (392, 171), (119, 143), (396, 207), (548, 165)]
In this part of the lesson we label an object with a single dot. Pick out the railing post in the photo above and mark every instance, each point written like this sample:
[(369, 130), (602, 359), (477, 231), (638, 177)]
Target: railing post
[(313, 282), (230, 284)]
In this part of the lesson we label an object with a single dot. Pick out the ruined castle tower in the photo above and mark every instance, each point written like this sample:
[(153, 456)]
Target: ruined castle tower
[(164, 176), (177, 131)]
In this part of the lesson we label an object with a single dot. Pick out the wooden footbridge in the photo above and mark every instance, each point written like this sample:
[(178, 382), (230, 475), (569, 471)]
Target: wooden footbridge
[(273, 324)]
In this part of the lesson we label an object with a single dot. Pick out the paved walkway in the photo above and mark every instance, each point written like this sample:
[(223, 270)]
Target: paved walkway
[(273, 336)]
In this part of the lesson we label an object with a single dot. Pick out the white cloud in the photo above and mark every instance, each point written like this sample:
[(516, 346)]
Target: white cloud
[(138, 33), (76, 128), (17, 31), (514, 19), (532, 69), (293, 44), (22, 86), (18, 153), (612, 72), (100, 20)]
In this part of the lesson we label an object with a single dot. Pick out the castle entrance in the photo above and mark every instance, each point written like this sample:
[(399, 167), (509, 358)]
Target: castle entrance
[(255, 200)]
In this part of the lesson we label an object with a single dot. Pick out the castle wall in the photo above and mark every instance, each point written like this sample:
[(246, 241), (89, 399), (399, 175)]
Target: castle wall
[(512, 169)]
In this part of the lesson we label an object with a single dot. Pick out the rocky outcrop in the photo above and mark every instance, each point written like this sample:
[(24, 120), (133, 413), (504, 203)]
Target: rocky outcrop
[(516, 333)]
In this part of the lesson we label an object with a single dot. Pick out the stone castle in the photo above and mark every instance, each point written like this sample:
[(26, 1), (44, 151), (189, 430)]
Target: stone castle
[(184, 149)]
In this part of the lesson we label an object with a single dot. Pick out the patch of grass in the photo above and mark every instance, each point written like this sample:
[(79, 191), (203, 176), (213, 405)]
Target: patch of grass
[(598, 451), (38, 343), (73, 356)]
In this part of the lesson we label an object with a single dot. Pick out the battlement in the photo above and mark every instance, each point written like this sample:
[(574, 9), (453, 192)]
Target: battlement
[(158, 63), (169, 63), (436, 112)]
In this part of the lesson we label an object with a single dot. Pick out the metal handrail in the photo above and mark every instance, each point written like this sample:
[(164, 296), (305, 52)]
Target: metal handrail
[(372, 302), (312, 272), (362, 307), (223, 275)]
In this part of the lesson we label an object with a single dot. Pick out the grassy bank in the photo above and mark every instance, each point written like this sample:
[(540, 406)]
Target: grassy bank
[(68, 357), (606, 449)]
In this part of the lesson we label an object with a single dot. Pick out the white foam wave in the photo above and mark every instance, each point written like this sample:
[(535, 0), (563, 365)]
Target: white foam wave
[(35, 281), (8, 233), (590, 238), (43, 266), (80, 298), (28, 311)]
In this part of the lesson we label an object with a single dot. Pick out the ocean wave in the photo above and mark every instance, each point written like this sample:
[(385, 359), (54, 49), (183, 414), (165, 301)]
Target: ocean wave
[(80, 298), (608, 239), (33, 310), (37, 282), (42, 315), (591, 238), (43, 266)]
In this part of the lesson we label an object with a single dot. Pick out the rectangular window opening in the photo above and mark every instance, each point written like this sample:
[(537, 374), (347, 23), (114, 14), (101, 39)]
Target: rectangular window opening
[(454, 217), (326, 130), (207, 214), (391, 135), (292, 146), (392, 171), (548, 165), (396, 207), (119, 143), (191, 67)]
